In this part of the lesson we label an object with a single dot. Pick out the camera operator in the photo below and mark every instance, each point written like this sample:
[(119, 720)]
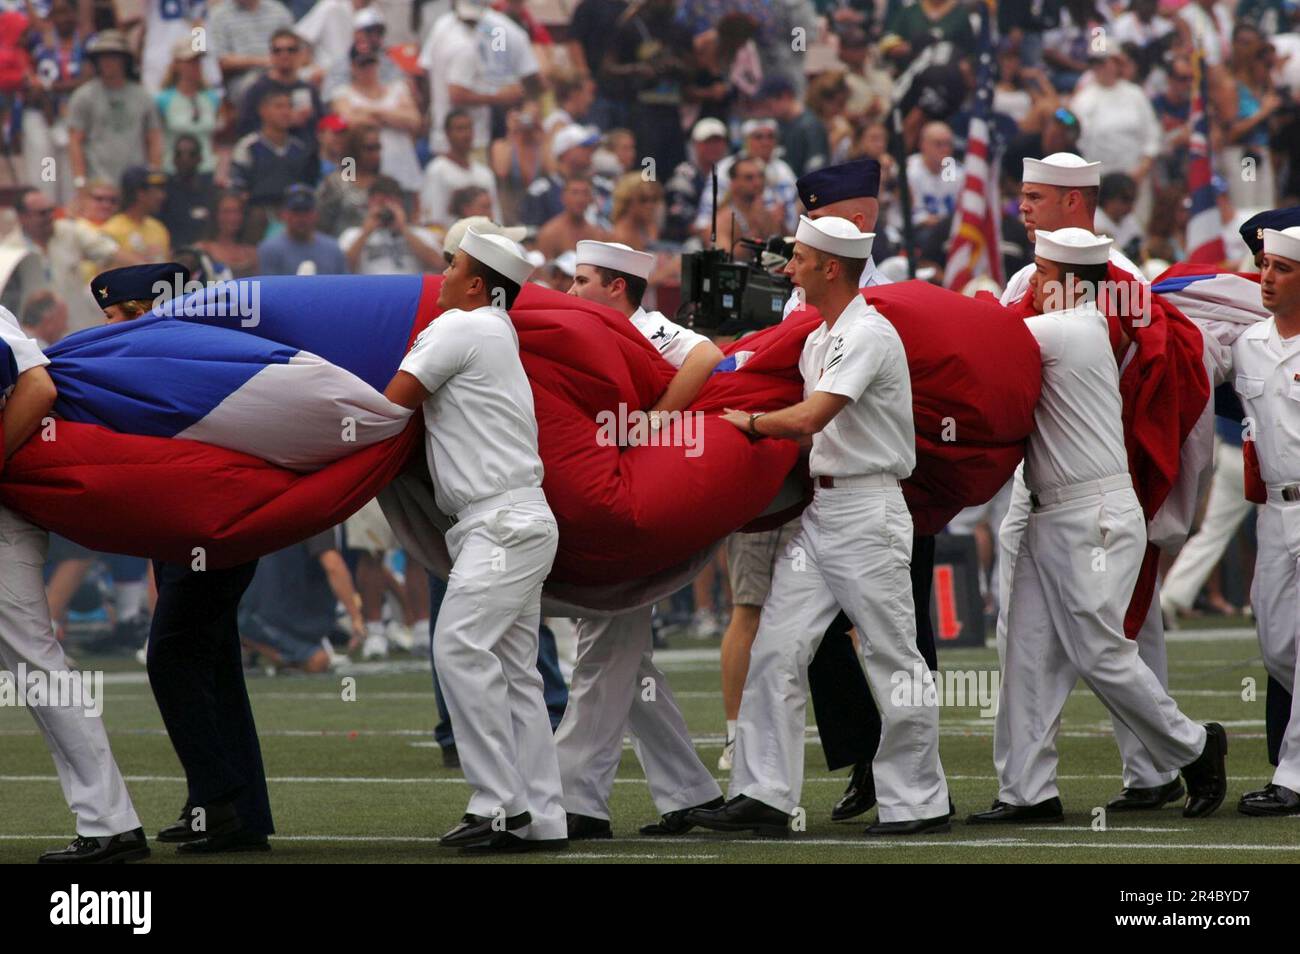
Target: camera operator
[(386, 243)]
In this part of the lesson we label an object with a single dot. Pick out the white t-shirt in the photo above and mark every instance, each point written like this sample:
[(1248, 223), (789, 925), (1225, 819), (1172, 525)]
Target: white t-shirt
[(480, 424), (861, 358), (673, 341), (442, 178), (1128, 28), (387, 252), (1078, 431), (1268, 382), (933, 193), (327, 26), (1119, 125), (25, 352), (1018, 284), (496, 54)]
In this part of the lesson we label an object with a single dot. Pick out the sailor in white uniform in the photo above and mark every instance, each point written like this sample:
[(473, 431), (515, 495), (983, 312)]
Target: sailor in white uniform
[(108, 829), (615, 663), (1079, 559), (1060, 191), (855, 547), (1266, 360), (481, 445)]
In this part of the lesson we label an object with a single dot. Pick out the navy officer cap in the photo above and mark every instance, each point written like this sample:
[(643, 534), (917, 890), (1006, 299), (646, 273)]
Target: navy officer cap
[(1252, 230), (859, 179), (137, 283)]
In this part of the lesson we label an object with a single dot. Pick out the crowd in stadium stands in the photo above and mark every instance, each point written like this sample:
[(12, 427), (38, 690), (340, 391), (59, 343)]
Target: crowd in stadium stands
[(259, 137)]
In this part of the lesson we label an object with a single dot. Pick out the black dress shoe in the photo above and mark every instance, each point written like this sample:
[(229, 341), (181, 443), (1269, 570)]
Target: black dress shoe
[(1207, 777), (676, 823), (587, 828), (1145, 799), (743, 813), (202, 821), (1271, 801), (182, 829), (475, 828), (227, 843), (937, 825), (1002, 813), (859, 797), (450, 757), (506, 843), (106, 850)]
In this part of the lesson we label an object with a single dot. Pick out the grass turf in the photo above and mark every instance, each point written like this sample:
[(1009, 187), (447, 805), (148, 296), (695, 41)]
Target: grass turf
[(362, 782)]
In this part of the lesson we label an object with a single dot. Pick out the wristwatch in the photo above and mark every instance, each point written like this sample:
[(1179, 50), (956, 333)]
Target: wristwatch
[(753, 418)]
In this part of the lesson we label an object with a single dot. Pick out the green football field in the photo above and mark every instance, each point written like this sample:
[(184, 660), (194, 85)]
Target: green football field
[(361, 781)]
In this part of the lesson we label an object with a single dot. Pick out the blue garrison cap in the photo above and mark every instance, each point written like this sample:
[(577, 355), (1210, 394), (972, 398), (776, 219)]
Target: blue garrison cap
[(1252, 230), (859, 179), (137, 283)]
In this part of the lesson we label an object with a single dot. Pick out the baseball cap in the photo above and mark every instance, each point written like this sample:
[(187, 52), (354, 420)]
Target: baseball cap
[(571, 137), (708, 128), (138, 177), (183, 50), (483, 226), (299, 198), (368, 17), (332, 122)]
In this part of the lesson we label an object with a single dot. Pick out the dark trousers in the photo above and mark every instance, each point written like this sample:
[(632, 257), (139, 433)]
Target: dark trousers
[(197, 675), (847, 718), (1277, 713), (554, 692)]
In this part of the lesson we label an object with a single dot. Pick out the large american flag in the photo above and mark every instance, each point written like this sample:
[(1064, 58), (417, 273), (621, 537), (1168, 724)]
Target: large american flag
[(1205, 226), (974, 247)]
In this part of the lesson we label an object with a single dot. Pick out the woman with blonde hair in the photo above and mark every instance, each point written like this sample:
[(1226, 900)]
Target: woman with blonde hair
[(187, 106), (638, 218)]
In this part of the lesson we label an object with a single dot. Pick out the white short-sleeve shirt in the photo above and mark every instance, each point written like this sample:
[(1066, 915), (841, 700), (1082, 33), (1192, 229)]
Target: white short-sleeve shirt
[(861, 358), (1078, 431), (1268, 382), (18, 347), (481, 428), (672, 341)]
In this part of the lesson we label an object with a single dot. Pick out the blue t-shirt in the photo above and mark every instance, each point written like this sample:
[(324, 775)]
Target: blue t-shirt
[(281, 255)]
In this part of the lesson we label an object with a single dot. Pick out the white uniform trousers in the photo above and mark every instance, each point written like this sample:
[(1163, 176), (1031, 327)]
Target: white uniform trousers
[(1139, 769), (1275, 597), (92, 784), (617, 687), (1225, 508), (853, 552), (1075, 571), (485, 650)]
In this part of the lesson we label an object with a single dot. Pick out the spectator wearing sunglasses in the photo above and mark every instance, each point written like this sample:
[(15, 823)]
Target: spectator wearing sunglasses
[(286, 55)]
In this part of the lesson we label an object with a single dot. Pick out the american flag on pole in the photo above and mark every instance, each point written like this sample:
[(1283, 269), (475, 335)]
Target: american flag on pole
[(1205, 226), (974, 247)]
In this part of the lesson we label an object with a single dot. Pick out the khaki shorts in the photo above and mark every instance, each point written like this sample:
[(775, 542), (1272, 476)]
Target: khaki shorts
[(367, 530), (751, 558)]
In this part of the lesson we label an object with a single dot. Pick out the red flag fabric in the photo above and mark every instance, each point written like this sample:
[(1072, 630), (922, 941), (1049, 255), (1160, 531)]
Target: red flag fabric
[(624, 512), (1164, 389)]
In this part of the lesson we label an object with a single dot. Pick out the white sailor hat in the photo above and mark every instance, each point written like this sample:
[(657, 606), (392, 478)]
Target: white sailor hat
[(615, 255), (1062, 169), (1072, 246), (835, 235), (499, 253), (1285, 243)]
